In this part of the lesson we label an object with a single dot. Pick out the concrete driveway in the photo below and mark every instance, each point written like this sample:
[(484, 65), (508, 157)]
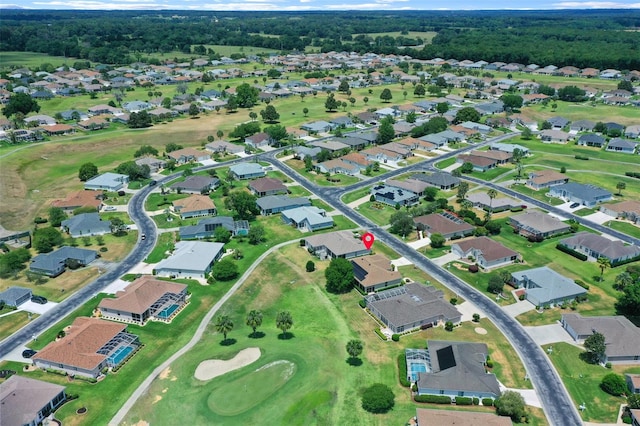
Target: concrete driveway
[(599, 218), (443, 260), (552, 333), (520, 307), (467, 309), (36, 308)]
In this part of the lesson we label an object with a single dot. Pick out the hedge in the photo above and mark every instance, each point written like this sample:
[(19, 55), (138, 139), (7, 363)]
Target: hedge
[(624, 262), (476, 401), (395, 337), (581, 157), (463, 400), (382, 336), (434, 399), (633, 174), (571, 252), (362, 303), (582, 284), (487, 402), (402, 370)]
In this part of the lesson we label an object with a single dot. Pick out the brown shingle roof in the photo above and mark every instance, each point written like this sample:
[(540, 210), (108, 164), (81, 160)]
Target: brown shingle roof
[(545, 176), (138, 296), (378, 269), (491, 250), (194, 203), (476, 160), (266, 184), (79, 347), (80, 199), (495, 155), (437, 223)]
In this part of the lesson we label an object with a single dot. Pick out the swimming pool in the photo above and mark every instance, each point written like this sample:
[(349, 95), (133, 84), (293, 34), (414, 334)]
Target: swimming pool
[(120, 354), (167, 312), (415, 368)]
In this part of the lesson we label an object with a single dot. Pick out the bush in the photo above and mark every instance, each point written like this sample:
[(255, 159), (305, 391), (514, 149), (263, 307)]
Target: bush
[(489, 363), (378, 398), (522, 297), (434, 399), (608, 365), (39, 220), (362, 303), (476, 318), (571, 252), (476, 401), (402, 370), (488, 402), (395, 337), (448, 326), (633, 174), (453, 301), (473, 268), (463, 400), (582, 284), (310, 267), (379, 333), (614, 384), (581, 157)]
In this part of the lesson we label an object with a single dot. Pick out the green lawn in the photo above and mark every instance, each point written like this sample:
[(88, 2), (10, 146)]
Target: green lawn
[(378, 213), (355, 195), (158, 201), (625, 227), (9, 324), (298, 191), (166, 242), (446, 163), (32, 59), (321, 179), (583, 383), (538, 195), (490, 174)]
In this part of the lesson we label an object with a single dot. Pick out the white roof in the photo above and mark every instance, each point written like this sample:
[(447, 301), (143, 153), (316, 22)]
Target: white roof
[(192, 256)]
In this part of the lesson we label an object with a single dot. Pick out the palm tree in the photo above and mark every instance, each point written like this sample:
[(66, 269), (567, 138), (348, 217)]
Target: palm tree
[(224, 325), (620, 186), (284, 321), (254, 320), (466, 204), (623, 280), (354, 348), (603, 263), (492, 193)]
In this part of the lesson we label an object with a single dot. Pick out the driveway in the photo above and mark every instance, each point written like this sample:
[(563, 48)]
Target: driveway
[(520, 307), (467, 309), (443, 260), (598, 217), (552, 333), (36, 308)]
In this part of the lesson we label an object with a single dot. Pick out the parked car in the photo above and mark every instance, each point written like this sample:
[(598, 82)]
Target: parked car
[(143, 237), (39, 299), (574, 205), (28, 353), (109, 209)]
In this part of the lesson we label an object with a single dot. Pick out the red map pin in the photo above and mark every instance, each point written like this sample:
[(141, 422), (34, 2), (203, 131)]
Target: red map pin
[(368, 239)]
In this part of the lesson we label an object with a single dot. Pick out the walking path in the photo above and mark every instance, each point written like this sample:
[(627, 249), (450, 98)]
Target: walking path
[(120, 415)]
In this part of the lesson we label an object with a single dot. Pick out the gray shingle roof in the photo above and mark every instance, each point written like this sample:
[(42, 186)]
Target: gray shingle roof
[(192, 255), (271, 202), (546, 285), (622, 338)]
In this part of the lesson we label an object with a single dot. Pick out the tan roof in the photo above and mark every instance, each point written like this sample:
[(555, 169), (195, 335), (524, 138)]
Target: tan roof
[(546, 176), (476, 160), (80, 199), (266, 184), (378, 269), (427, 417), (58, 128), (491, 250), (194, 203), (22, 399), (187, 152), (494, 154), (410, 184), (635, 380), (138, 296), (357, 158), (628, 206), (439, 224), (80, 346)]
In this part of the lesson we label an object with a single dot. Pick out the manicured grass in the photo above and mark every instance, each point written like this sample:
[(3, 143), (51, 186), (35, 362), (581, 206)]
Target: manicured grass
[(54, 289), (538, 195), (427, 36), (164, 221), (446, 163), (321, 179), (157, 201), (571, 149), (625, 227), (355, 195), (480, 281), (32, 59), (377, 212), (585, 211), (9, 324), (342, 223), (224, 50), (490, 174), (433, 253), (298, 191), (583, 383), (417, 275), (166, 242)]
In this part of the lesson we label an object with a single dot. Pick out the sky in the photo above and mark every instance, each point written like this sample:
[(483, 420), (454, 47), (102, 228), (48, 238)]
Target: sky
[(324, 5)]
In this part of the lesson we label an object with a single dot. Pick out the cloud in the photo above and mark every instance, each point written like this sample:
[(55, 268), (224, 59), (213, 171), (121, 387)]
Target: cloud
[(306, 1), (595, 5)]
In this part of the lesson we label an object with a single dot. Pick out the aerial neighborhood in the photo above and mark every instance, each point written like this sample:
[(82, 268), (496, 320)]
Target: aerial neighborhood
[(445, 241)]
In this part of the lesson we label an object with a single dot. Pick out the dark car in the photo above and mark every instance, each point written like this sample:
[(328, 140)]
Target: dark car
[(153, 183), (143, 237), (39, 299), (28, 353), (574, 205)]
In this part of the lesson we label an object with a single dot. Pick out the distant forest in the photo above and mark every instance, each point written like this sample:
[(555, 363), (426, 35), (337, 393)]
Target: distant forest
[(600, 39)]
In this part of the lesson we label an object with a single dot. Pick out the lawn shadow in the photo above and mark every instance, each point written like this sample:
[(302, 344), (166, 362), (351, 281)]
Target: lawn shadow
[(354, 362), (586, 357), (228, 342), (257, 335), (286, 336)]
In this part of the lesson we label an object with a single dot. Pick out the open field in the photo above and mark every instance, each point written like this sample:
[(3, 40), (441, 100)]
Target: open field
[(322, 388), (54, 289), (32, 60), (9, 324), (583, 383), (626, 227)]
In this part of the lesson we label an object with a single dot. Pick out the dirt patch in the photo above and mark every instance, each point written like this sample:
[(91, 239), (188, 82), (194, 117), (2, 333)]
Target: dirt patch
[(156, 399), (480, 330), (141, 423), (212, 368), (165, 373)]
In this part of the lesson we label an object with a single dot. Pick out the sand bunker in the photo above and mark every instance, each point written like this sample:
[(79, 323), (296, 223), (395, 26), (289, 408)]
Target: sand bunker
[(211, 368)]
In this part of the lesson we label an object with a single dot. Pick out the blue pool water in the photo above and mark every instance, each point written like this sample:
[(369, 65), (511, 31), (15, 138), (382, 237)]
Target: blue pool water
[(120, 354), (415, 369), (167, 312)]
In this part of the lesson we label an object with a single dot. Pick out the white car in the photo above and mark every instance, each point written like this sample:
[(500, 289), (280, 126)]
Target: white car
[(109, 209)]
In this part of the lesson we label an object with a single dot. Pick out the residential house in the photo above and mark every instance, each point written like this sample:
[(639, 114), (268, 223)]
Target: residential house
[(410, 184), (190, 259), (625, 146), (58, 129), (429, 417), (195, 205), (443, 180), (480, 164), (446, 224), (633, 383), (374, 273), (338, 166), (244, 171), (107, 181), (93, 123), (41, 120), (205, 228), (486, 252), (501, 157), (629, 210), (272, 204), (558, 123), (264, 186), (591, 139), (302, 152), (54, 263), (89, 346), (457, 369), (317, 127), (258, 140), (481, 128), (356, 159), (581, 126), (411, 306), (509, 147), (632, 132), (546, 287), (498, 204), (622, 337), (536, 224), (154, 164), (354, 143), (136, 106), (15, 296), (145, 299), (224, 147), (28, 402), (76, 200), (554, 136), (86, 224), (394, 196), (188, 155), (545, 179), (333, 245), (341, 122), (307, 218), (196, 184), (596, 246), (331, 145), (587, 195)]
